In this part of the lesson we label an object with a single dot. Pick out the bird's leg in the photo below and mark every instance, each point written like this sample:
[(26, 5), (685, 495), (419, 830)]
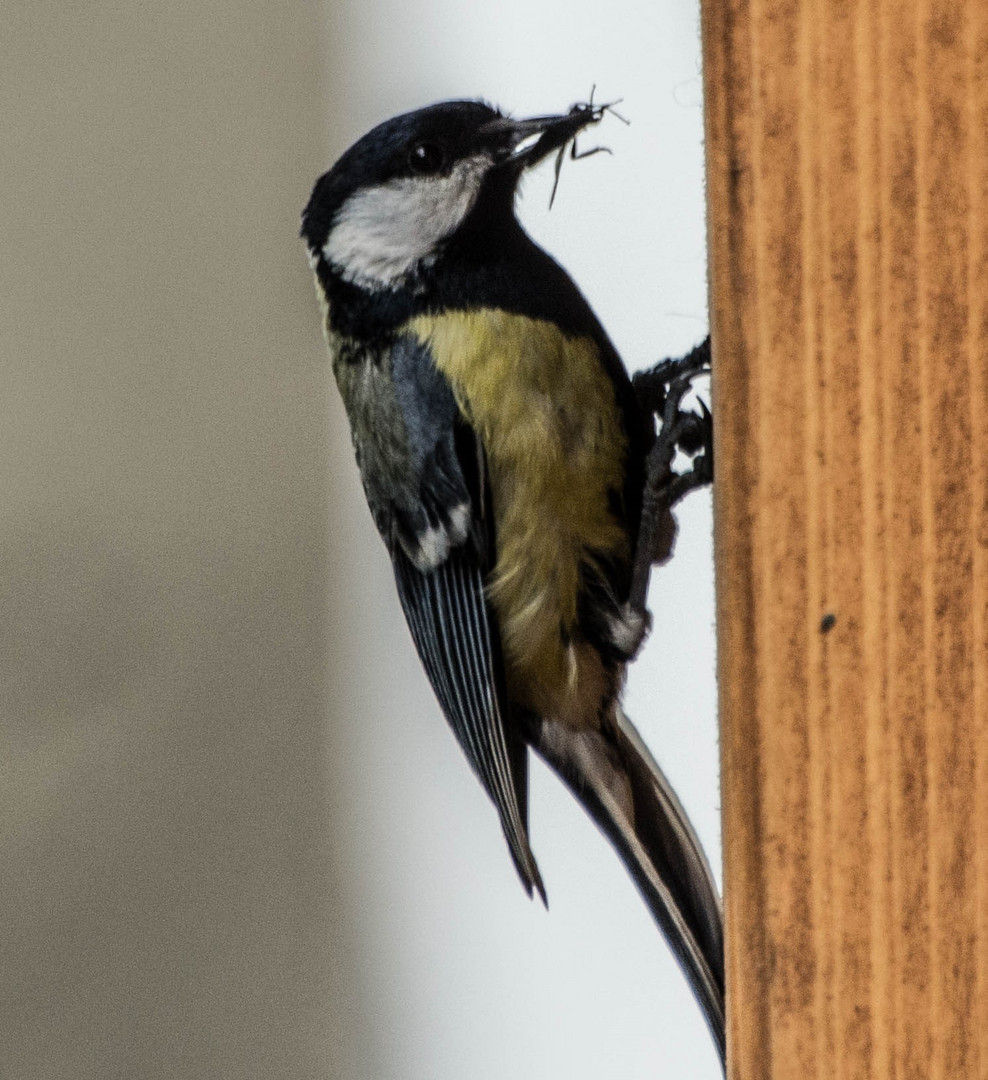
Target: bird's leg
[(660, 392)]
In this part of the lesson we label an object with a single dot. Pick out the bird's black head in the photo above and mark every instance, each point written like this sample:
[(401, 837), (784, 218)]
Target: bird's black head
[(393, 201)]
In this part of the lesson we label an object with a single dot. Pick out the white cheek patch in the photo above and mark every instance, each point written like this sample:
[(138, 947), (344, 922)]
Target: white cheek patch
[(383, 233)]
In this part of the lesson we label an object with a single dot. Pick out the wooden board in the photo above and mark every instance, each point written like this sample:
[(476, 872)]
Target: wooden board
[(847, 152)]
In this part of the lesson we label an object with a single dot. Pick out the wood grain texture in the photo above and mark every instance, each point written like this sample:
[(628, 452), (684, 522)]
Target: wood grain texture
[(847, 146)]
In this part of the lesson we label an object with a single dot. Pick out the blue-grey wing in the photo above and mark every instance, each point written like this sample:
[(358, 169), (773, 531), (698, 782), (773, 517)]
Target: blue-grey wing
[(423, 473), (451, 626)]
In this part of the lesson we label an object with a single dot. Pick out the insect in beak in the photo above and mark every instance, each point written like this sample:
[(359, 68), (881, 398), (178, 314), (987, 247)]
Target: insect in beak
[(597, 112)]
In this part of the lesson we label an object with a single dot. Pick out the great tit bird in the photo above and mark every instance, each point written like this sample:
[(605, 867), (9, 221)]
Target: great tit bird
[(501, 450)]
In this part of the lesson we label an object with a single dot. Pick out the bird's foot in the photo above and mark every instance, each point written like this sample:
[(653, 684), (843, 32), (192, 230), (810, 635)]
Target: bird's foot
[(660, 392)]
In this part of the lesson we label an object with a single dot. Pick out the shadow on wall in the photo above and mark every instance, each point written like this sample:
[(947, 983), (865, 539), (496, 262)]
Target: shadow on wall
[(171, 887)]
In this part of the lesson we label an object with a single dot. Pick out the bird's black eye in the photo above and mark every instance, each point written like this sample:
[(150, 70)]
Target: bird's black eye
[(426, 158)]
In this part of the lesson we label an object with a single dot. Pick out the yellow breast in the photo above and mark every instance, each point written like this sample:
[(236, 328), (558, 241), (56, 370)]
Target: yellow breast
[(549, 423)]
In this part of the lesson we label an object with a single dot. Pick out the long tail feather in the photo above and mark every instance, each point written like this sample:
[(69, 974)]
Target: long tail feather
[(620, 785)]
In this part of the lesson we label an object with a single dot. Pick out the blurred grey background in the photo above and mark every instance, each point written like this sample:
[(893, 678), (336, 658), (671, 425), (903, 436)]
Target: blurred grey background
[(237, 838)]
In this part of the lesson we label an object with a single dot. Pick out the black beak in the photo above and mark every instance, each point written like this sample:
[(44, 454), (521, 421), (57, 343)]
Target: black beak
[(519, 144)]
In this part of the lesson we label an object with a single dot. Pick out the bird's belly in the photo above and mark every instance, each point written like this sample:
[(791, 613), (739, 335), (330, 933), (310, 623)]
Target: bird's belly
[(549, 422)]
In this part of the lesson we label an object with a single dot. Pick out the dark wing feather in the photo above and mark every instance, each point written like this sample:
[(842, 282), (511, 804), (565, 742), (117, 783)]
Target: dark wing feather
[(447, 614), (423, 472)]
